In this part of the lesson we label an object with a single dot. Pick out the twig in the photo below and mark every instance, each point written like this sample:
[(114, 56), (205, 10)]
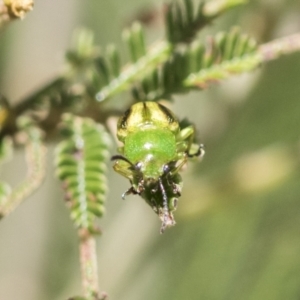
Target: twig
[(157, 54), (279, 47), (88, 261)]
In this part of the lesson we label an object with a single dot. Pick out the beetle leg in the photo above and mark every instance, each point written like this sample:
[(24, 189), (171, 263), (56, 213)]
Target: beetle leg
[(130, 191), (186, 133), (200, 151), (123, 168), (141, 187), (186, 143), (178, 167), (186, 137), (176, 188)]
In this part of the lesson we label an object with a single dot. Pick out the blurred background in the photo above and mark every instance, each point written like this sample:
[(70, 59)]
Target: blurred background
[(238, 220)]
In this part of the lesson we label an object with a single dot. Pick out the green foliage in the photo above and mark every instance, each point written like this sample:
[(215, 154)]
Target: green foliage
[(83, 64), (178, 63), (81, 164), (229, 53), (182, 22), (6, 149), (32, 138), (135, 39), (196, 65), (184, 18), (94, 72), (139, 69), (5, 191), (155, 67)]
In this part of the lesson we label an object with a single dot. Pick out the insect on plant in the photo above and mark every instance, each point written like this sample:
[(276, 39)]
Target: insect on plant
[(155, 148)]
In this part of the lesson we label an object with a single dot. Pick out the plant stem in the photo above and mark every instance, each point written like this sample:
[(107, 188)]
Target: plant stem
[(156, 55), (279, 47), (88, 261)]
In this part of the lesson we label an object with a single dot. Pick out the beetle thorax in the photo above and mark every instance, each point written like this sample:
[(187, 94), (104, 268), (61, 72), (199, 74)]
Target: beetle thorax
[(150, 149)]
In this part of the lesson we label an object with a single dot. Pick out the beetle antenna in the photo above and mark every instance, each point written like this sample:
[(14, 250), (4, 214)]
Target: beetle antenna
[(121, 157)]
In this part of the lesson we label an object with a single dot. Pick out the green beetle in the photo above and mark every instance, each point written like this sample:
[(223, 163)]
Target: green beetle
[(155, 148)]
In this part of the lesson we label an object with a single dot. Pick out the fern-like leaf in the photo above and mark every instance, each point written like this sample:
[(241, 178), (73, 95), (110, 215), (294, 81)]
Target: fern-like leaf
[(143, 64), (182, 22), (184, 18), (198, 64), (227, 54), (81, 165), (135, 39), (35, 153)]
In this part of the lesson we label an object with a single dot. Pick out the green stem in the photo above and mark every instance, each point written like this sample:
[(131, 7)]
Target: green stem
[(89, 268), (156, 55)]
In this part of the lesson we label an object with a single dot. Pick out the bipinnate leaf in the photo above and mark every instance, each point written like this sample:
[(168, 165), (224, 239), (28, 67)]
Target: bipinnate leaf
[(184, 18), (198, 64), (35, 155), (226, 54), (80, 165)]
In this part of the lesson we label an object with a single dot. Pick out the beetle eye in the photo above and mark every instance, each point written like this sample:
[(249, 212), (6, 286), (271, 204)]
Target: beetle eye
[(138, 166), (166, 169)]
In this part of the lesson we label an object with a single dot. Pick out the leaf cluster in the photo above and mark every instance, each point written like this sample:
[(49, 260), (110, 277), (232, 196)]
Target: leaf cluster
[(80, 162), (198, 64), (182, 61), (31, 137), (168, 67)]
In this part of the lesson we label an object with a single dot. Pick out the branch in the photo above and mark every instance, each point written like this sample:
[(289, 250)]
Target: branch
[(88, 261), (266, 52), (279, 47), (155, 56)]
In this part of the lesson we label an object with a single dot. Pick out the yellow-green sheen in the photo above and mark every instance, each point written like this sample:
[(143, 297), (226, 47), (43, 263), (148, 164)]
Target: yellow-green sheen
[(144, 114), (155, 148), (152, 148)]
